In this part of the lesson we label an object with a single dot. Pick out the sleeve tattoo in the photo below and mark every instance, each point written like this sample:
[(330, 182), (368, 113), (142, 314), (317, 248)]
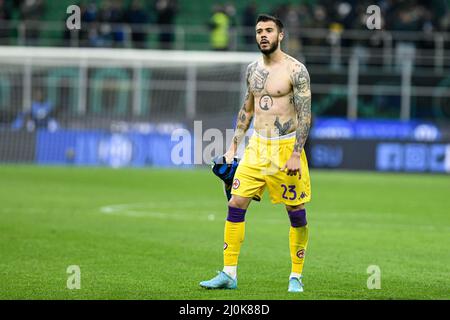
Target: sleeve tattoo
[(245, 115), (302, 105)]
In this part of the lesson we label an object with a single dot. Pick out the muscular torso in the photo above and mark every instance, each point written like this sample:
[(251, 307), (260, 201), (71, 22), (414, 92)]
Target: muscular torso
[(271, 87)]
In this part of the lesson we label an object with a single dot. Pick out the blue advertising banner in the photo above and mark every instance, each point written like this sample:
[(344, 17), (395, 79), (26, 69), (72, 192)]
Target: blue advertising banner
[(99, 148), (398, 156), (374, 129), (413, 157)]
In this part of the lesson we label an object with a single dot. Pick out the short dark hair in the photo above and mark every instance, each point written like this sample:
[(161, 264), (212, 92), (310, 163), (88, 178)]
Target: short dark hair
[(265, 17)]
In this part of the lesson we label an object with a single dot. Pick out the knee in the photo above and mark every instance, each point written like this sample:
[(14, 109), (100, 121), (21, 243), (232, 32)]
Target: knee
[(295, 208), (237, 208), (297, 216), (238, 202)]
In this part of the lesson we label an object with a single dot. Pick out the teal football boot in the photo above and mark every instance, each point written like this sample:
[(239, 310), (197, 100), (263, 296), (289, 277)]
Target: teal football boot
[(221, 281), (295, 285)]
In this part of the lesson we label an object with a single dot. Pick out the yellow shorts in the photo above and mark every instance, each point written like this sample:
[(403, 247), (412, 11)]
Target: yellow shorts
[(260, 166)]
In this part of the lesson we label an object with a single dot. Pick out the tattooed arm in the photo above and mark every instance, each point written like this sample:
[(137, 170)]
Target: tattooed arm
[(244, 119), (302, 104)]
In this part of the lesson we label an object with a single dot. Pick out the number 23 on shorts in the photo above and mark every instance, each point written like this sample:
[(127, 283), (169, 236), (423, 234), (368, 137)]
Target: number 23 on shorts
[(289, 189)]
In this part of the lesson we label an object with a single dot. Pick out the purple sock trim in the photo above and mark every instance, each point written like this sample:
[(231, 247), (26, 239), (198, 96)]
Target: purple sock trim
[(236, 214), (298, 218)]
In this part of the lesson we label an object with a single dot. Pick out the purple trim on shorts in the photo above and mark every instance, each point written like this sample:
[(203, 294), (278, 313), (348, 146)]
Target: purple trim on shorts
[(236, 214), (298, 218)]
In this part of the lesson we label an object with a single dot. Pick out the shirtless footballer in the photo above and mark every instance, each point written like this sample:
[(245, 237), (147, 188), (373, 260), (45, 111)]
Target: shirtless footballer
[(279, 99)]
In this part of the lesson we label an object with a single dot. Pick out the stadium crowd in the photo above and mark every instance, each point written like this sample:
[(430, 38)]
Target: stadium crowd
[(108, 18)]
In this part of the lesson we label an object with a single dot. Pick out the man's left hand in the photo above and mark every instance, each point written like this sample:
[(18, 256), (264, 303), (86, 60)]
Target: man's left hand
[(292, 166)]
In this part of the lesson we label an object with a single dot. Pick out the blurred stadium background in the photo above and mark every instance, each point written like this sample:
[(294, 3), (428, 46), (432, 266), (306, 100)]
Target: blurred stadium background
[(112, 93), (382, 90)]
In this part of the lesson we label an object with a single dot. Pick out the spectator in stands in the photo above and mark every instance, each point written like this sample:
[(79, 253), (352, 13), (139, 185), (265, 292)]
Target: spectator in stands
[(438, 10), (5, 15), (407, 18), (166, 11), (441, 14), (111, 17), (117, 21), (281, 11), (320, 21), (305, 21), (345, 16), (90, 17), (137, 17), (219, 25), (248, 22), (305, 16), (89, 12), (444, 22), (5, 10), (102, 35), (292, 24), (428, 28), (32, 12), (230, 11)]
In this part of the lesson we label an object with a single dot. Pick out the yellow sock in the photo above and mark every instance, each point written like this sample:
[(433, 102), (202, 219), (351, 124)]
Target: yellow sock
[(298, 241), (233, 236)]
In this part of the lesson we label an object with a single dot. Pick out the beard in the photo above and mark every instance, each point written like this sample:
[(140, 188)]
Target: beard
[(270, 50)]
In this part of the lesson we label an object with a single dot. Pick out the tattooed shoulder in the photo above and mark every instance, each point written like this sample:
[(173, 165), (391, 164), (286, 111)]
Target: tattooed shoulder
[(300, 78), (251, 69)]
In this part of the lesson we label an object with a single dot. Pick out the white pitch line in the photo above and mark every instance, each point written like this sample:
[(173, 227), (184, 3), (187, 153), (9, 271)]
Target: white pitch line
[(176, 214), (148, 210)]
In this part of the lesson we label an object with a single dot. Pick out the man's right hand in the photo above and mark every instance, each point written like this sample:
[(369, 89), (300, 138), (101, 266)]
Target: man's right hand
[(229, 156)]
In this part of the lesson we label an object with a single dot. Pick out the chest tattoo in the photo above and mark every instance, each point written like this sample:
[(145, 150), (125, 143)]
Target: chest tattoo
[(265, 102), (258, 80)]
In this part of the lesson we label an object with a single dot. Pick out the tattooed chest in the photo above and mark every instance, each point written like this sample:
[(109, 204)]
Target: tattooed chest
[(263, 82), (258, 79)]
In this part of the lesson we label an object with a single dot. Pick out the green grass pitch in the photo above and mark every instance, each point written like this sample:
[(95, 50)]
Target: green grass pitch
[(155, 234)]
